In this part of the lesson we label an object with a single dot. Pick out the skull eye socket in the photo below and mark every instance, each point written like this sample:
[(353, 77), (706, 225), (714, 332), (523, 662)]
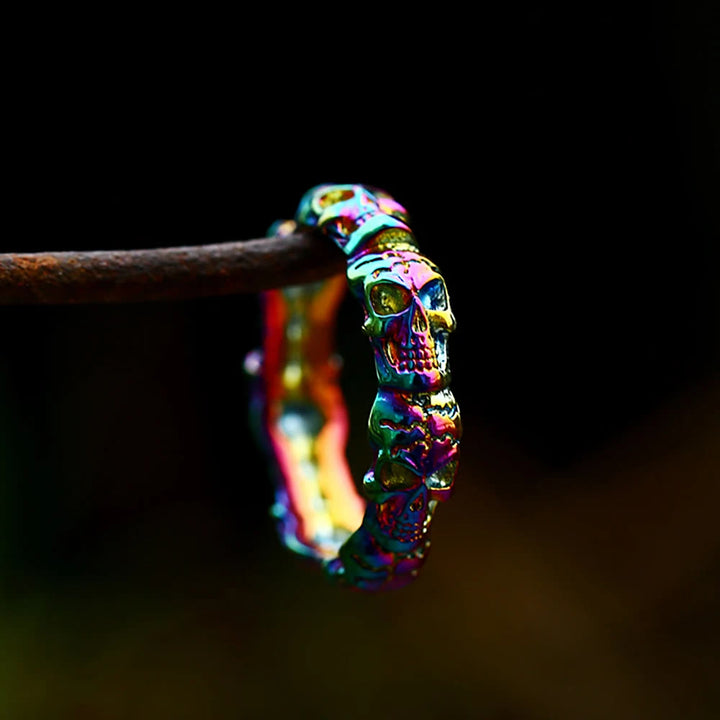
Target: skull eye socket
[(443, 479), (433, 295), (394, 476), (389, 298), (335, 196)]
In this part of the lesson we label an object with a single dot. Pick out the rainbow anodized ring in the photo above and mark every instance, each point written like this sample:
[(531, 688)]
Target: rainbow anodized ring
[(377, 539)]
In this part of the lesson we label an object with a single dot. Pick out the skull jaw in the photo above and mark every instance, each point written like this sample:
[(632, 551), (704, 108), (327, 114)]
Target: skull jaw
[(395, 536), (409, 379), (364, 564)]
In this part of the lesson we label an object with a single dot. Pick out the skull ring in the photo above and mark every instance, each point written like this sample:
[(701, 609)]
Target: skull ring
[(377, 539)]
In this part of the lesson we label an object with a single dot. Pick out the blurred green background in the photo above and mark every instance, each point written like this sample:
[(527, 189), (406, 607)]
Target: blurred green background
[(562, 172)]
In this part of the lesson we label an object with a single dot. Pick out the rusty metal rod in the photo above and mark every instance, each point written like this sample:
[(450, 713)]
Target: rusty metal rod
[(116, 276)]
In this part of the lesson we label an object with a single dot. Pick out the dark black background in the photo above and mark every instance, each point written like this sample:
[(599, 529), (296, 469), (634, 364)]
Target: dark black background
[(559, 165)]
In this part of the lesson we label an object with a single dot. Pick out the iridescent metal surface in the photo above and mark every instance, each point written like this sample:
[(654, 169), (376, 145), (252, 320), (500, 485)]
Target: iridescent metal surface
[(379, 540)]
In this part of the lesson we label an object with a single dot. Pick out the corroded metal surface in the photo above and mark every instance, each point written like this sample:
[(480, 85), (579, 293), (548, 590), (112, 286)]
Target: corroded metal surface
[(166, 273)]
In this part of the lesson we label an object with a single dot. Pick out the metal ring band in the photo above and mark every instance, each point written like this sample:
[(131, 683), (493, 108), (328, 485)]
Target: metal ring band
[(381, 541)]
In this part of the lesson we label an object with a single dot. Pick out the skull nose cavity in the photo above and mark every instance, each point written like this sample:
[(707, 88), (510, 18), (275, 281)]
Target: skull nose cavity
[(419, 322)]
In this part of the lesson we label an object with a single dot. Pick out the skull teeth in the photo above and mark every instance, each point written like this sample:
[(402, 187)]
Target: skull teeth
[(405, 533), (411, 359)]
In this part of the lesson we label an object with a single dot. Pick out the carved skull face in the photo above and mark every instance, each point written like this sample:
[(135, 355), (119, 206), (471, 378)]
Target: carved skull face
[(407, 318), (420, 432), (364, 563), (346, 206), (400, 520)]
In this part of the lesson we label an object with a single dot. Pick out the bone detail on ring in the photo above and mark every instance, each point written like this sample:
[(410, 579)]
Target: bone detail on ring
[(380, 540)]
